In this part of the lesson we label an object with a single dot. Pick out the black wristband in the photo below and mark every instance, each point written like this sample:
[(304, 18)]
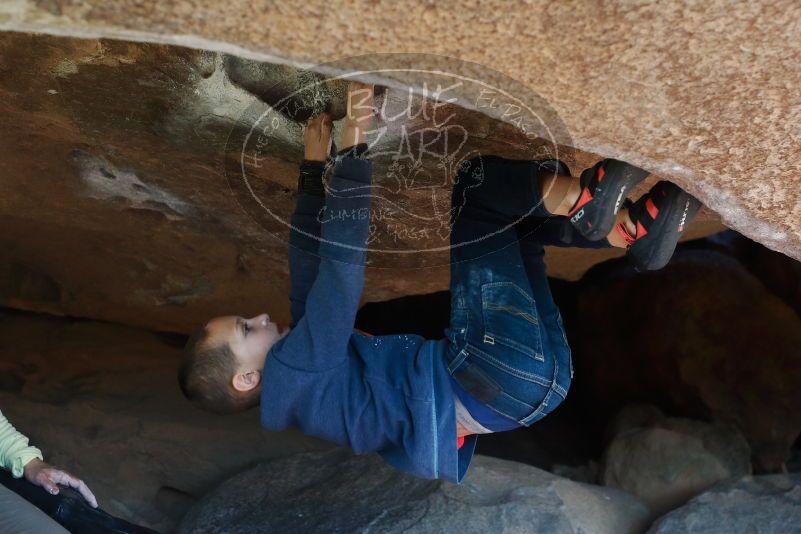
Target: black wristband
[(356, 151), (310, 179)]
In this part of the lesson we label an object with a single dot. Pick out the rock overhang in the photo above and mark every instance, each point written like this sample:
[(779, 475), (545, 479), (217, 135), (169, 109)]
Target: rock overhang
[(657, 117)]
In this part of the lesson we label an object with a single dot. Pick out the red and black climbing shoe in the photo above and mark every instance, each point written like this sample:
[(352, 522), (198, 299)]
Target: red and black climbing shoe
[(660, 216), (603, 189)]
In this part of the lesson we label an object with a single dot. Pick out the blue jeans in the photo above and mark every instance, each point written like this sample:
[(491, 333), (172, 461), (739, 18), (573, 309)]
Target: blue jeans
[(507, 344)]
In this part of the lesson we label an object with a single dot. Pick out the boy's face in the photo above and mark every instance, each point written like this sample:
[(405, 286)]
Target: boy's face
[(249, 339)]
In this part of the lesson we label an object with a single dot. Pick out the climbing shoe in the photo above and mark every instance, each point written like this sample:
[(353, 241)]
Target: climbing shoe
[(603, 189), (660, 216)]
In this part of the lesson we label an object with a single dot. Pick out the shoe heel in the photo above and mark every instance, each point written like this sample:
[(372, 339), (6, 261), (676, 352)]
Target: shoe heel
[(682, 209)]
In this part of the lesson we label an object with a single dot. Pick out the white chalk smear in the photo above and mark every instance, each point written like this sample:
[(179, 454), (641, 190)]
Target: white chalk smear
[(105, 181)]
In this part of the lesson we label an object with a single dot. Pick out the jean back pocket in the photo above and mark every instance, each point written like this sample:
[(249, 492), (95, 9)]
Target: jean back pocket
[(510, 319)]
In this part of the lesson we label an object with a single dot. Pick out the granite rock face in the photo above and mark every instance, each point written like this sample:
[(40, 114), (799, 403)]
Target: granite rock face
[(702, 338), (671, 459), (124, 197), (705, 95), (764, 504), (338, 492)]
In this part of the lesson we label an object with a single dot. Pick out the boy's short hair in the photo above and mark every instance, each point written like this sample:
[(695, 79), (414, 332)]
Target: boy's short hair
[(205, 376)]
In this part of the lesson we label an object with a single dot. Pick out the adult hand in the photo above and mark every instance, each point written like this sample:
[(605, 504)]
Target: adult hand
[(317, 137), (48, 477)]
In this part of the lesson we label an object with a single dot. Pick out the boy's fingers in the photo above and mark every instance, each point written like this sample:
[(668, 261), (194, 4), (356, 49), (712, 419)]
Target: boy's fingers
[(321, 118), (325, 131), (325, 125), (328, 123)]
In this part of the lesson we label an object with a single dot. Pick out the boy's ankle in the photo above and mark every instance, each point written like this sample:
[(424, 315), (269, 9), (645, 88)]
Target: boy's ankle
[(628, 224), (572, 196), (559, 193)]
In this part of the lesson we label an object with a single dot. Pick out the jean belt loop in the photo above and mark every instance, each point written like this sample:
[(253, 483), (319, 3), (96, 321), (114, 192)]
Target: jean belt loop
[(457, 361)]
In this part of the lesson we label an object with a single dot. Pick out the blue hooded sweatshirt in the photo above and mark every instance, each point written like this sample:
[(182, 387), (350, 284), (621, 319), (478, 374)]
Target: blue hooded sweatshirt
[(387, 394)]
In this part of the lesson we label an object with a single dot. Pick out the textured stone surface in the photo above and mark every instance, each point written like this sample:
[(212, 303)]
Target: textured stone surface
[(706, 94), (338, 492), (118, 201), (766, 504), (702, 338), (667, 461)]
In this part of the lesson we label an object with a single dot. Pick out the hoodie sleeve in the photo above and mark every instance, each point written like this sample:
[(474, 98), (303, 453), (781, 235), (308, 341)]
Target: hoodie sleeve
[(15, 452), (320, 337), (304, 237)]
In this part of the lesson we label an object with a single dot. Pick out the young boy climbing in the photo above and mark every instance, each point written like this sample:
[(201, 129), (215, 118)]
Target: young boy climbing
[(504, 361)]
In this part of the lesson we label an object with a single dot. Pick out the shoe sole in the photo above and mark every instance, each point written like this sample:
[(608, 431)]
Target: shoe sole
[(596, 222), (681, 209)]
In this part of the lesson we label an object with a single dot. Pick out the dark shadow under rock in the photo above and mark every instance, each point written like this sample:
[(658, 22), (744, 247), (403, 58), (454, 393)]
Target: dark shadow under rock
[(780, 274), (701, 338)]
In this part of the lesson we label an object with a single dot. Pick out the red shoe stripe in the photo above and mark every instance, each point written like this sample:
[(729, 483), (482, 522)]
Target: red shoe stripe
[(601, 174), (623, 231), (583, 199), (653, 211), (641, 231)]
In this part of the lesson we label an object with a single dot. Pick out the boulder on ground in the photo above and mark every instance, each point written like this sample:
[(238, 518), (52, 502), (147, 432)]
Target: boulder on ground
[(338, 492), (670, 460), (762, 505)]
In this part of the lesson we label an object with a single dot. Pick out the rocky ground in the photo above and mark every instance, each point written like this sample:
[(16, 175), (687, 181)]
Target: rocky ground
[(338, 492)]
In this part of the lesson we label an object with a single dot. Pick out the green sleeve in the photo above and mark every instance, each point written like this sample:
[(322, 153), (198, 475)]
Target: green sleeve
[(15, 452)]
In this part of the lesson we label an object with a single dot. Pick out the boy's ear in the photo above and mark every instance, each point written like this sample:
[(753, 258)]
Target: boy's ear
[(246, 381)]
